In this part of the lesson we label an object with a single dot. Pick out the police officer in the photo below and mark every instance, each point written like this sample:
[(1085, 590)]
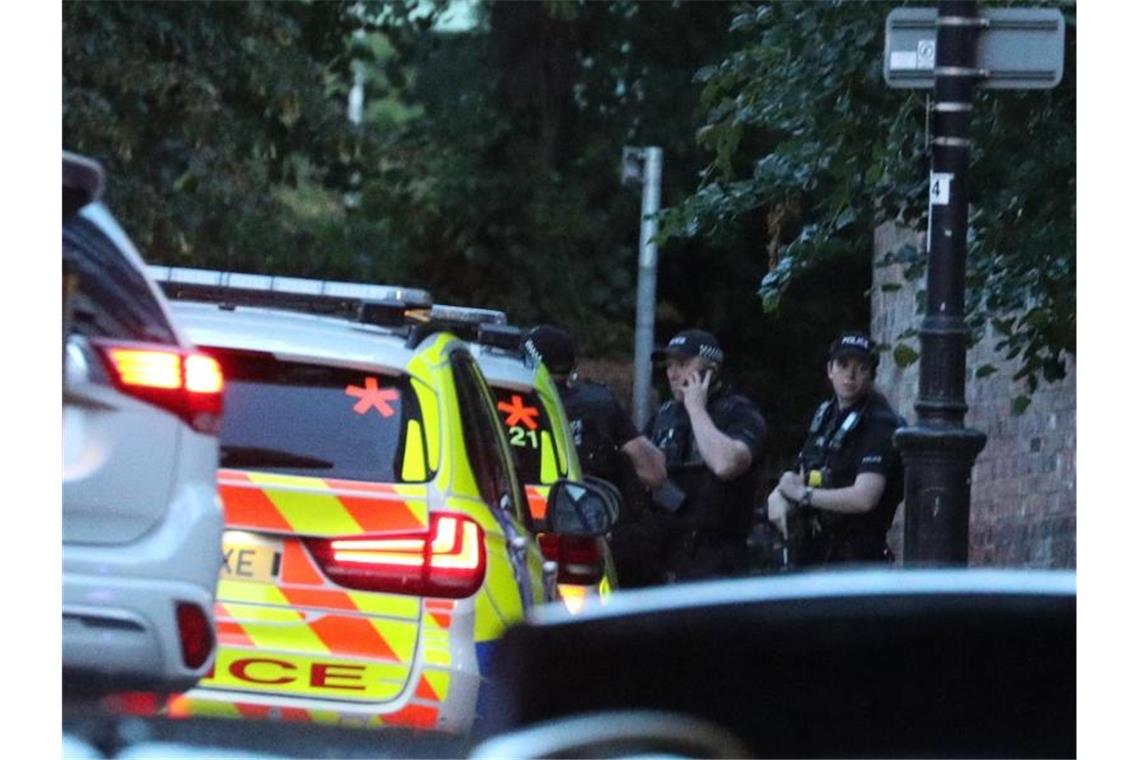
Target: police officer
[(712, 440), (848, 482), (609, 447)]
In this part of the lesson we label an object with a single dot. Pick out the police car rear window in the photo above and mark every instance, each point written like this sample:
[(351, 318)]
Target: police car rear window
[(524, 420), (318, 421)]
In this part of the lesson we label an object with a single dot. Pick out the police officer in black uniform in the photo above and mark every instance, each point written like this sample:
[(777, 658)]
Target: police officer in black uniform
[(712, 440), (849, 481), (610, 448)]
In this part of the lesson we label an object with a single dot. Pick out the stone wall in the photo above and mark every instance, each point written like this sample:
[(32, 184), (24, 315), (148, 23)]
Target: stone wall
[(1024, 499)]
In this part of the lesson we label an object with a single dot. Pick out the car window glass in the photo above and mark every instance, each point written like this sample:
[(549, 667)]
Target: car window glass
[(481, 435), (314, 420), (113, 298), (524, 421)]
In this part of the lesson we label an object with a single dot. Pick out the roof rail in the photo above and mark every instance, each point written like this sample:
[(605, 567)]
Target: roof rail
[(297, 293)]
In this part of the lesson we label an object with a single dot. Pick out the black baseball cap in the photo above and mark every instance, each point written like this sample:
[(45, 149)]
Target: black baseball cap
[(854, 343), (554, 346), (689, 343)]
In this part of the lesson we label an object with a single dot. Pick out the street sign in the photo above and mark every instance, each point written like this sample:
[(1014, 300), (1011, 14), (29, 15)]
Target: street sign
[(1018, 48)]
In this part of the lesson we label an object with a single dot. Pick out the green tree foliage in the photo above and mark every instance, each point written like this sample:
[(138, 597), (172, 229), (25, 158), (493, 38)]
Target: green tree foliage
[(223, 125), (802, 128)]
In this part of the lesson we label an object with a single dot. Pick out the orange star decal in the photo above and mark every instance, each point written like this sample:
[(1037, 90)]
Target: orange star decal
[(372, 395), (516, 413)]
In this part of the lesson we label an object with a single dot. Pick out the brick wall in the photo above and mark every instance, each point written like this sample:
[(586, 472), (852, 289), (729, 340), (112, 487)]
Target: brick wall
[(1023, 501)]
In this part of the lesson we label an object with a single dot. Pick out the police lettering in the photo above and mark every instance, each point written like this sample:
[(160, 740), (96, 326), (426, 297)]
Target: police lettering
[(239, 669), (322, 675)]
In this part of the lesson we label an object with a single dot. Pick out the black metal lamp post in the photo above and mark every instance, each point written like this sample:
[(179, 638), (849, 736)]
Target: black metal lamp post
[(939, 451)]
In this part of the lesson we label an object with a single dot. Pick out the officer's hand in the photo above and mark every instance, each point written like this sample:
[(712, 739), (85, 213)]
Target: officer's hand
[(695, 391), (792, 486), (778, 511)]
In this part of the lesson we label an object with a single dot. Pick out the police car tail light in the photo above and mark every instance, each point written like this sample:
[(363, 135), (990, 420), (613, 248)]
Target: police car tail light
[(195, 634), (449, 560), (581, 559), (187, 384)]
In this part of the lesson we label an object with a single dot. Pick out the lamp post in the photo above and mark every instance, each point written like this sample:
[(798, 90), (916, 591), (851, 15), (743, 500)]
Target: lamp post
[(643, 166)]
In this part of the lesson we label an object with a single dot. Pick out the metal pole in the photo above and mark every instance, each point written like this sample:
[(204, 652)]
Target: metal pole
[(646, 286), (939, 452)]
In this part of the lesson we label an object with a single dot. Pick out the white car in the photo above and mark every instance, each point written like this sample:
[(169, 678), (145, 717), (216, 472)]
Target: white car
[(142, 521)]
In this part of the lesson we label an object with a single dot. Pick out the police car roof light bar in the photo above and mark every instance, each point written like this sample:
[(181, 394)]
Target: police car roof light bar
[(467, 314), (507, 337), (321, 296)]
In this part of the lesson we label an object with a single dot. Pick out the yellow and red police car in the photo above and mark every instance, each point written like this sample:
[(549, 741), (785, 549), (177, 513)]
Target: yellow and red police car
[(541, 441), (377, 539)]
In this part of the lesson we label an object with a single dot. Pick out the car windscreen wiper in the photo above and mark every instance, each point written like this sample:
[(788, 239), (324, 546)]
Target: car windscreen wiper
[(254, 456)]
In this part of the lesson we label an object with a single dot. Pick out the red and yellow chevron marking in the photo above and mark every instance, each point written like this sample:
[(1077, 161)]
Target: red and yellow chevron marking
[(439, 611), (319, 506), (536, 500)]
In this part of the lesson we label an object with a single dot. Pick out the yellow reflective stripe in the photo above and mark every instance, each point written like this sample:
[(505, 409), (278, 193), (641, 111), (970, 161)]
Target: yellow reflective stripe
[(401, 638), (241, 591), (261, 614), (413, 467), (324, 716), (388, 605), (296, 638), (429, 410), (305, 510), (214, 708), (548, 470), (437, 645), (439, 681)]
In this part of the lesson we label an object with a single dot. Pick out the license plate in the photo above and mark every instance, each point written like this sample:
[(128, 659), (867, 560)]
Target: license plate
[(249, 557)]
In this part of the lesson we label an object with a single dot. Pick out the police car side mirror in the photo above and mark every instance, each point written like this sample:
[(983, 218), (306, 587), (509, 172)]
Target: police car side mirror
[(582, 509)]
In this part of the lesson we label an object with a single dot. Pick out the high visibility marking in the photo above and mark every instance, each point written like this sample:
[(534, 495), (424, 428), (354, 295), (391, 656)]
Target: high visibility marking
[(372, 395), (258, 613), (424, 690), (413, 716), (548, 470), (536, 501), (516, 412), (300, 637), (378, 515), (294, 714), (429, 410), (319, 512), (318, 598), (353, 635), (299, 566), (246, 505), (389, 605), (232, 634), (440, 682), (247, 710), (413, 465)]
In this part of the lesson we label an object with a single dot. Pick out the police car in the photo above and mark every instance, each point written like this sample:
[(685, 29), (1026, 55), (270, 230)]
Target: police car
[(377, 539), (539, 434), (142, 525)]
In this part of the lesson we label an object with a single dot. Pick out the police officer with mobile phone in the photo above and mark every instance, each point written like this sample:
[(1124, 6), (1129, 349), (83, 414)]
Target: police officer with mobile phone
[(712, 440)]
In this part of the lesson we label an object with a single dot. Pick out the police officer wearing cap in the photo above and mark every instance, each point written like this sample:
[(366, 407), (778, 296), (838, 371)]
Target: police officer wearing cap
[(848, 481), (610, 448), (712, 440)]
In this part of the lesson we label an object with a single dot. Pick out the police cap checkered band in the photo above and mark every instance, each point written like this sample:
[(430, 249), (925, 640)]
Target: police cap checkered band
[(689, 343), (854, 344), (553, 346)]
